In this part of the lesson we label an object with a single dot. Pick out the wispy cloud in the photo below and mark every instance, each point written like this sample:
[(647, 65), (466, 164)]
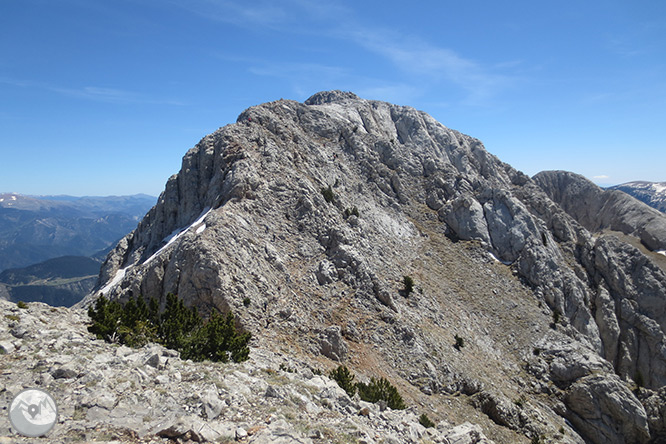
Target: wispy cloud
[(95, 93), (256, 13), (418, 58), (291, 70), (435, 63), (601, 177)]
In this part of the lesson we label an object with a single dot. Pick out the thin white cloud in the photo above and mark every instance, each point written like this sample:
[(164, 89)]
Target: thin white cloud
[(292, 70), (256, 13), (601, 177), (420, 59), (95, 93), (435, 63)]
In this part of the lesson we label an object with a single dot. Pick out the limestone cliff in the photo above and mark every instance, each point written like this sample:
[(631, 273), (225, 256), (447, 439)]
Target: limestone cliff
[(303, 219)]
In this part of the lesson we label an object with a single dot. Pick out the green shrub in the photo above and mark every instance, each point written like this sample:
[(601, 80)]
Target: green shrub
[(21, 304), (177, 323), (328, 194), (344, 378), (556, 318), (246, 301), (353, 211), (425, 421), (538, 439), (408, 282), (381, 389), (106, 316), (217, 340), (638, 379), (177, 327), (460, 342)]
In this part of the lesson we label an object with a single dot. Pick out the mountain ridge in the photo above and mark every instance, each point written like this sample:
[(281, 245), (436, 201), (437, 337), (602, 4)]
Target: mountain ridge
[(303, 218), (651, 193)]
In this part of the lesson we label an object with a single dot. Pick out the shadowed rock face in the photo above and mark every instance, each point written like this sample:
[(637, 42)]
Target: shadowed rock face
[(246, 219)]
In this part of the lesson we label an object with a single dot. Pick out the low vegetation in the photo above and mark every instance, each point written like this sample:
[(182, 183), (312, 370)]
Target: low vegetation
[(376, 390), (344, 378), (329, 195), (352, 211), (178, 327), (425, 421), (408, 282)]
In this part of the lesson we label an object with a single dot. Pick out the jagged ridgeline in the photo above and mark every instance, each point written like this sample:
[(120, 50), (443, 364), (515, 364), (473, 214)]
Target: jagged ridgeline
[(521, 312)]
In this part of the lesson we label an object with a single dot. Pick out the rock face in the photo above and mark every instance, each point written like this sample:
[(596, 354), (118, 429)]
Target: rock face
[(598, 209), (303, 218), (651, 193)]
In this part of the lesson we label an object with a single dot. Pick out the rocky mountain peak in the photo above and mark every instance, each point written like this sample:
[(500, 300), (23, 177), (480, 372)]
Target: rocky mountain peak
[(324, 97), (305, 218)]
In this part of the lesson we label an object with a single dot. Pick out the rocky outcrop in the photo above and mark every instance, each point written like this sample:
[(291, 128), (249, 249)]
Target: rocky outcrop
[(304, 218), (598, 209), (110, 393), (650, 193)]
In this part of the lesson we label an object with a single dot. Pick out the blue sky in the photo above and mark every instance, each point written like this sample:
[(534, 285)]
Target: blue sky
[(105, 97)]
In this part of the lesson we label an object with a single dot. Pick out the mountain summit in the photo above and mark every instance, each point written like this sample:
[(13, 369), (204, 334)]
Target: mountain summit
[(307, 219)]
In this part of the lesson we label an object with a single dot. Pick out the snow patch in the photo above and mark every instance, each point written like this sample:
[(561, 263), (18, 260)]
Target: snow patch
[(496, 259), (662, 252), (176, 234), (120, 274), (659, 188), (201, 229)]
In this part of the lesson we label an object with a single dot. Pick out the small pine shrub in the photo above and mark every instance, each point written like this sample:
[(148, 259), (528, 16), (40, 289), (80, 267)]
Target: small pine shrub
[(344, 378), (353, 211), (246, 301), (408, 282), (217, 340), (178, 327), (556, 318), (460, 342), (381, 389), (329, 195), (106, 317), (425, 421), (639, 380), (21, 304), (536, 439), (286, 368)]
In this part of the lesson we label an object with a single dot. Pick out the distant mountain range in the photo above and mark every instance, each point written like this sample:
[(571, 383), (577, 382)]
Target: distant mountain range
[(36, 228), (60, 281), (651, 193)]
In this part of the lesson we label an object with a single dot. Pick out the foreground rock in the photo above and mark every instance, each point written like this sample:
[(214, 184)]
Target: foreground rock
[(113, 393)]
